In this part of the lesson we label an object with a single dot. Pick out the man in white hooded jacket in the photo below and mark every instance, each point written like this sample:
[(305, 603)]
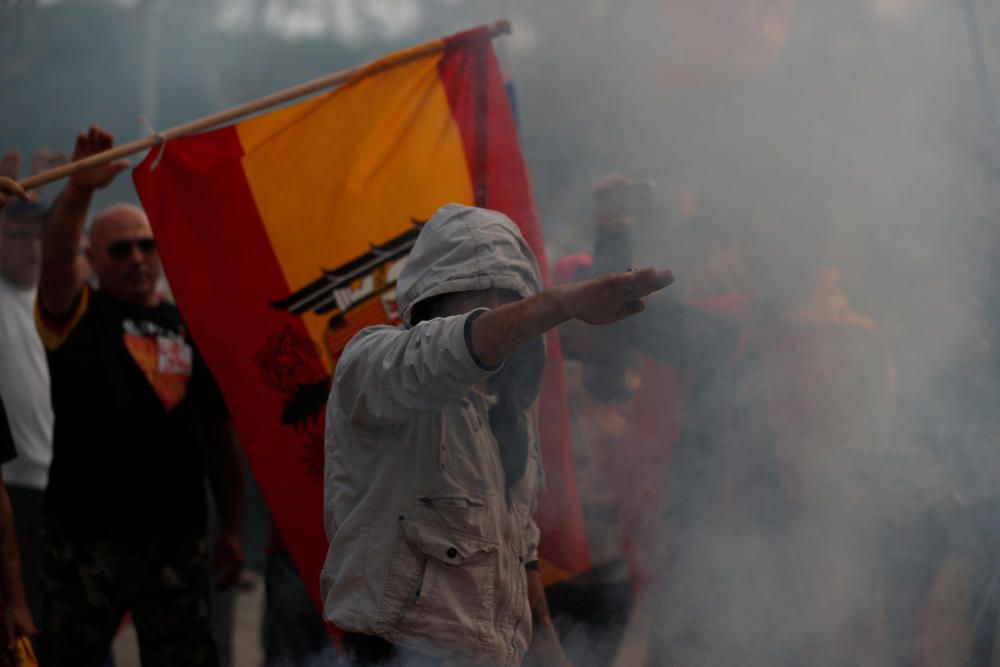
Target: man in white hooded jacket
[(432, 457)]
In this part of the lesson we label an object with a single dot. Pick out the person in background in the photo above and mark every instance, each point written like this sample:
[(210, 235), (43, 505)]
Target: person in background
[(24, 375), (139, 422), (591, 610), (653, 427), (16, 615)]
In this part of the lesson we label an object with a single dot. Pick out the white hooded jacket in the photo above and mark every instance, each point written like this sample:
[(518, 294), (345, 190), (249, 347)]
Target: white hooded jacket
[(427, 547)]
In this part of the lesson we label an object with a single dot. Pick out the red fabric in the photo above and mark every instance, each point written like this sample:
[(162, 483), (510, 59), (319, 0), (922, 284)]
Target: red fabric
[(216, 252), (638, 461), (501, 180), (568, 267)]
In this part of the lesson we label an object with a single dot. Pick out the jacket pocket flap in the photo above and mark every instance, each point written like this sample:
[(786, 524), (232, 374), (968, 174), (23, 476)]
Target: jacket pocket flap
[(444, 545)]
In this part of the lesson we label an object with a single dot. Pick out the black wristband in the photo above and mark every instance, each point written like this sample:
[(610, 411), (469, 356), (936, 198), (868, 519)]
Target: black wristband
[(473, 316)]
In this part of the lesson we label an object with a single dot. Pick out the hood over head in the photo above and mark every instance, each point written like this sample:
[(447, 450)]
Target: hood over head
[(464, 249)]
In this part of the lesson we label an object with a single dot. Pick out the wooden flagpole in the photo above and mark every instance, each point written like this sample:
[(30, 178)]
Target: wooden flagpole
[(501, 27)]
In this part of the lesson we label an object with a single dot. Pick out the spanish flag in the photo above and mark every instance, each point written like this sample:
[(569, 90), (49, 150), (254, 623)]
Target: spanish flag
[(282, 236)]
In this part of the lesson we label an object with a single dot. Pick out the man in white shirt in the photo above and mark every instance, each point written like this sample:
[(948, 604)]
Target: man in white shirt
[(24, 379)]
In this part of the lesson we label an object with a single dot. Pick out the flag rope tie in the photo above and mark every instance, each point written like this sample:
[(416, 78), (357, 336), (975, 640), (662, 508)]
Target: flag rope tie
[(160, 140)]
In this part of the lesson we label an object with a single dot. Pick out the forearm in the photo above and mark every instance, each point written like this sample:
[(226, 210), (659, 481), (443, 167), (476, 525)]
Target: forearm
[(540, 617), (499, 332), (226, 476), (10, 558), (63, 270)]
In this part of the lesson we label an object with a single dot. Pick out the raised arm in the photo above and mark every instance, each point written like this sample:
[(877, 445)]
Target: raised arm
[(63, 269), (388, 373)]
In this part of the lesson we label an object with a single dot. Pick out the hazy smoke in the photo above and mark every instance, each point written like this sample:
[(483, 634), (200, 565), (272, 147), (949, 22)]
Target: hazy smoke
[(858, 159), (833, 499)]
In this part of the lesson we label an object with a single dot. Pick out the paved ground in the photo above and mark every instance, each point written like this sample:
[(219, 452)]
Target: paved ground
[(246, 646)]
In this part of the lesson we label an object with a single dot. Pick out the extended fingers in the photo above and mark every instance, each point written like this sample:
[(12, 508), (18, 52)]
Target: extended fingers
[(94, 140), (80, 147), (102, 140), (647, 281)]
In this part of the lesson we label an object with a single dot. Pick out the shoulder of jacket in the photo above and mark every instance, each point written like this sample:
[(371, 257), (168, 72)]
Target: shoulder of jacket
[(361, 345)]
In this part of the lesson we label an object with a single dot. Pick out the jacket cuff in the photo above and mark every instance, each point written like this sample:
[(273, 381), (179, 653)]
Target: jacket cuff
[(470, 318)]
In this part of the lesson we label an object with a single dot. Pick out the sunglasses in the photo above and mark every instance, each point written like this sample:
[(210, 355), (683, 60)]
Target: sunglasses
[(122, 249)]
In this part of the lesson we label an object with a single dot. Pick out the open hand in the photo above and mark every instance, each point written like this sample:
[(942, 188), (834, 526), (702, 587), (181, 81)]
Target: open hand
[(94, 141), (613, 296)]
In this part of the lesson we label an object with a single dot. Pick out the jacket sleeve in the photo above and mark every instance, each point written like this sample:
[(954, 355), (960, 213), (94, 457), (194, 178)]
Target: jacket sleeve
[(386, 374), (531, 537)]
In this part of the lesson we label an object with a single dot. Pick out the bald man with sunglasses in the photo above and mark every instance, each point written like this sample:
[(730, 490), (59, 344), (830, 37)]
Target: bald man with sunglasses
[(139, 424)]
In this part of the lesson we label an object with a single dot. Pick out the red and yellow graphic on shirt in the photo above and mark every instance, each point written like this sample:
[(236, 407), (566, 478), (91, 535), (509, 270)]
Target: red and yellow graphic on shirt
[(282, 236), (164, 357)]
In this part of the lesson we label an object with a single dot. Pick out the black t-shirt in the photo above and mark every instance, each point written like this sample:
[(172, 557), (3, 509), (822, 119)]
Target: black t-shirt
[(7, 451), (131, 397)]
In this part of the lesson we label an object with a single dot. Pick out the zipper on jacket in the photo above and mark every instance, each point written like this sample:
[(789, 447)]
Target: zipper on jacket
[(416, 594)]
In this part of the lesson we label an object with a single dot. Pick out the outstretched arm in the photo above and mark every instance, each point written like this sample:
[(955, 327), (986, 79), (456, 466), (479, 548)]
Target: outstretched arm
[(387, 373), (499, 332)]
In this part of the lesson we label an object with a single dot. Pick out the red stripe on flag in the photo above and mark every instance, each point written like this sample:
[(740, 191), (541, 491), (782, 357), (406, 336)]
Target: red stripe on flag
[(469, 71), (224, 274)]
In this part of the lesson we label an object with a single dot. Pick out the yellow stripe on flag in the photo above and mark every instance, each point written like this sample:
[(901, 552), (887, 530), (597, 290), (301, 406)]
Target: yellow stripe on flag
[(385, 149)]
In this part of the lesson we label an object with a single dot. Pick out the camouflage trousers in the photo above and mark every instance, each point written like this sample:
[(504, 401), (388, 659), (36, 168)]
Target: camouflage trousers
[(88, 585)]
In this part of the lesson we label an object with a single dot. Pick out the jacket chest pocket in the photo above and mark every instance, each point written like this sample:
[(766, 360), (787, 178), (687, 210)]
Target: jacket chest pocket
[(441, 587)]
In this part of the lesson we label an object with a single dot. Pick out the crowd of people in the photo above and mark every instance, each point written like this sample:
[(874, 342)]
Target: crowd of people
[(745, 455), (793, 481)]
